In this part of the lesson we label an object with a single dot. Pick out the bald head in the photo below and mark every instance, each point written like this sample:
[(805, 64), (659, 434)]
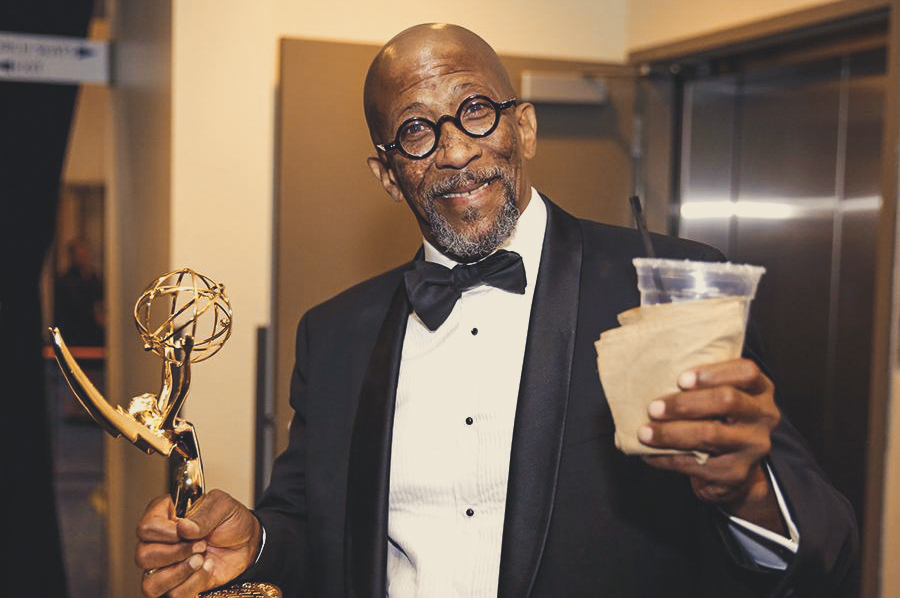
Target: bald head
[(425, 52), (468, 189)]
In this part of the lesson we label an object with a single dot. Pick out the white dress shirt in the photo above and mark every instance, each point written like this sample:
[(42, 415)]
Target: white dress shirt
[(453, 426), (452, 434)]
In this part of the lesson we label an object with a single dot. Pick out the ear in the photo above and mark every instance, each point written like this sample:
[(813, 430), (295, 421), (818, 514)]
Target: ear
[(385, 175), (526, 119)]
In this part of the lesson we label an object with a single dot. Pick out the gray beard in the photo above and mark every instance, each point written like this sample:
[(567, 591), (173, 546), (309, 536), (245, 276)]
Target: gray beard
[(471, 246)]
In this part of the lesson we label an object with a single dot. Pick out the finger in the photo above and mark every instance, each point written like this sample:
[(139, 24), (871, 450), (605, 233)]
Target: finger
[(172, 579), (199, 581), (726, 470), (740, 373), (157, 555), (708, 436), (207, 514), (158, 522), (720, 480), (685, 463), (725, 403)]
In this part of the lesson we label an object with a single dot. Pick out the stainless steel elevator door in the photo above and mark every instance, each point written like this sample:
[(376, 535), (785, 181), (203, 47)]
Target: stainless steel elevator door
[(780, 167)]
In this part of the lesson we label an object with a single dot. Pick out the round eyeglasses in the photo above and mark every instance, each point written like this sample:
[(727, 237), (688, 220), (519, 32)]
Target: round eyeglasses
[(418, 137)]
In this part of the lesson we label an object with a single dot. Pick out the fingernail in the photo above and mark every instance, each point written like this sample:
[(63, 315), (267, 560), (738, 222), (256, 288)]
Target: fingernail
[(687, 379), (196, 562), (645, 433), (657, 409), (207, 565), (199, 547)]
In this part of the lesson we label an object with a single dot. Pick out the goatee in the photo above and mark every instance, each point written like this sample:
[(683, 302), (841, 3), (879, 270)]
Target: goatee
[(473, 245)]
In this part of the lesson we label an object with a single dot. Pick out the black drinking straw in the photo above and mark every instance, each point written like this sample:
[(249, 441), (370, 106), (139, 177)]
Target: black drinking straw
[(641, 224)]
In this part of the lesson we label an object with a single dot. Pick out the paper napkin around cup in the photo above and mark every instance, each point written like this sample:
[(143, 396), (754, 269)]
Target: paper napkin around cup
[(641, 360)]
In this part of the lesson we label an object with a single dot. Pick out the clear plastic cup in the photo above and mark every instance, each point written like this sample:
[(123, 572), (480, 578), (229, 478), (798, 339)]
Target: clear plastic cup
[(668, 281)]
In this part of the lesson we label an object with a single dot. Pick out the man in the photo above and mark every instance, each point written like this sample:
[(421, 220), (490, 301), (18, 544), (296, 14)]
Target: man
[(465, 448)]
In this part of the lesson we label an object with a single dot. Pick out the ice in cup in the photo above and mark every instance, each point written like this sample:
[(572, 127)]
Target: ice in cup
[(670, 281)]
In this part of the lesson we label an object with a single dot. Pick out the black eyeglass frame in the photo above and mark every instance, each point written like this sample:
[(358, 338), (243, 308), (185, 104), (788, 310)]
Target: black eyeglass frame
[(437, 126)]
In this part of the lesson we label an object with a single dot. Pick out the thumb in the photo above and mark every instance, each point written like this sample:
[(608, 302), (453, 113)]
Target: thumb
[(205, 515)]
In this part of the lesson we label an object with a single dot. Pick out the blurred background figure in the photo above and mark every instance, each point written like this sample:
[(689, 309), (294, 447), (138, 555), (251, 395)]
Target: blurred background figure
[(78, 298)]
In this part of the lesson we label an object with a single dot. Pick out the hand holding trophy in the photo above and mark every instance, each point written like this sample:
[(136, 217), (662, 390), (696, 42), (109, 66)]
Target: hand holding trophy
[(184, 318)]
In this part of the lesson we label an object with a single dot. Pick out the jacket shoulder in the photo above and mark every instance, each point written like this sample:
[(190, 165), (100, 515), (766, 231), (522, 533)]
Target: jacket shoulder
[(628, 243), (619, 242), (367, 299)]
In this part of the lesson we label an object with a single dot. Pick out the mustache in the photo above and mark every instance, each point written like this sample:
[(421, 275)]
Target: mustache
[(461, 179)]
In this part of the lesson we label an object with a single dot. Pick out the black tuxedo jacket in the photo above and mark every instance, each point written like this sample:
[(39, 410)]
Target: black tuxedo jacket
[(582, 519)]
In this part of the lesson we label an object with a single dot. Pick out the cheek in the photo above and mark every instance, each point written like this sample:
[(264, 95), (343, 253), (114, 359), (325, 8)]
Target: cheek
[(507, 147), (410, 177), (407, 172)]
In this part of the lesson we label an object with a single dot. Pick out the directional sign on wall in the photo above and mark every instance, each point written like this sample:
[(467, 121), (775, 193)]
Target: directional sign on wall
[(52, 59)]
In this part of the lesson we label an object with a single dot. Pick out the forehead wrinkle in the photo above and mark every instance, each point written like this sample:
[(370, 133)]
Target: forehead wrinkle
[(466, 89), (440, 70)]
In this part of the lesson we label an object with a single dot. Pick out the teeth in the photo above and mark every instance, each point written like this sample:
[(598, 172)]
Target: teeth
[(466, 193)]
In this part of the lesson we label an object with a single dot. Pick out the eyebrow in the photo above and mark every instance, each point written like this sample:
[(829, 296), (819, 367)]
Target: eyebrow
[(416, 108)]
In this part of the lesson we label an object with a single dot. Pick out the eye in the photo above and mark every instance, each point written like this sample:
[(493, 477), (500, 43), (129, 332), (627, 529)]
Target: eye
[(414, 129), (477, 109)]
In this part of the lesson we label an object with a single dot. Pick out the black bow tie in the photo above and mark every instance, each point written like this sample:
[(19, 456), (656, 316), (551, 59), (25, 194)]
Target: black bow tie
[(433, 289)]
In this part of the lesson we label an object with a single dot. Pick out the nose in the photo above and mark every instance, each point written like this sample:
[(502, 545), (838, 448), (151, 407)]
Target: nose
[(455, 149)]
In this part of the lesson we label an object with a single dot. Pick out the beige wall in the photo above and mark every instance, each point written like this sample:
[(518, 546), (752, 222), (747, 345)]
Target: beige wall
[(223, 81), (655, 22), (571, 29), (87, 163)]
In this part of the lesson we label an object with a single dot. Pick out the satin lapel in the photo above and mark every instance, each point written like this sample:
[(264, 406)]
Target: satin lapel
[(370, 459), (541, 408)]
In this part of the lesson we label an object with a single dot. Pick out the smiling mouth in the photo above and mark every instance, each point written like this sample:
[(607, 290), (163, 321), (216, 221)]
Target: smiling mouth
[(463, 187), (467, 193)]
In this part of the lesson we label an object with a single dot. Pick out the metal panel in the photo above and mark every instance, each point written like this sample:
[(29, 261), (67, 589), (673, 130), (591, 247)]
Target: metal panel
[(787, 175), (854, 310), (780, 168), (707, 156)]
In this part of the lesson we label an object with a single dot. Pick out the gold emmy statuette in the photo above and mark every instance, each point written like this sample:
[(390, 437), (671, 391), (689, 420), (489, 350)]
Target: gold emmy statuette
[(184, 318)]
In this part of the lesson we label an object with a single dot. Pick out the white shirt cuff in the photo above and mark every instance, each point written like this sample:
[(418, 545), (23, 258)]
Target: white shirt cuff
[(262, 543), (767, 548)]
